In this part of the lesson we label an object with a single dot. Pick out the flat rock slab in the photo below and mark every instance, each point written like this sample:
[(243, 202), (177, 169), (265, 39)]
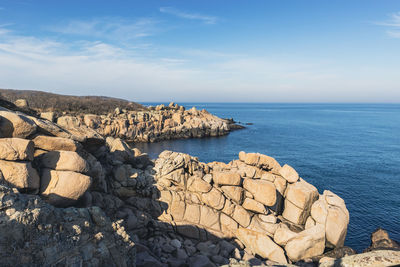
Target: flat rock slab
[(51, 143), (369, 259)]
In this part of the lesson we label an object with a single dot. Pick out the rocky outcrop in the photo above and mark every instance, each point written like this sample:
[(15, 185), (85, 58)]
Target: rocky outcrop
[(34, 233), (250, 200), (380, 240), (155, 124), (171, 211)]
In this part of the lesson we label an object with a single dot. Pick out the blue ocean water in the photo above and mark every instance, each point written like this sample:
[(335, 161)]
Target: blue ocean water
[(350, 149)]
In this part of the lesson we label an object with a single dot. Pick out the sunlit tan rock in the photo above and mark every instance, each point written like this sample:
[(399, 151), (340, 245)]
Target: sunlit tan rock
[(289, 173), (16, 149), (226, 178), (15, 125), (20, 175), (63, 188), (51, 143), (306, 244), (262, 245), (263, 191), (64, 161)]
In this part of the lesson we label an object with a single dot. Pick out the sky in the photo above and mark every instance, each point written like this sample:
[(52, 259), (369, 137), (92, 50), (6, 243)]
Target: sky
[(204, 50)]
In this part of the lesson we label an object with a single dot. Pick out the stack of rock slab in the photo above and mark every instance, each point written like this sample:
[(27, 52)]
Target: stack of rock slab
[(37, 163), (269, 208)]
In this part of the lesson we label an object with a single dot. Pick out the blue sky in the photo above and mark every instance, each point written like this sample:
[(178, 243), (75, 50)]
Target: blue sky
[(213, 51)]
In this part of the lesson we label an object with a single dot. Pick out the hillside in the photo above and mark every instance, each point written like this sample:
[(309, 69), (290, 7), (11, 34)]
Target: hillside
[(44, 101)]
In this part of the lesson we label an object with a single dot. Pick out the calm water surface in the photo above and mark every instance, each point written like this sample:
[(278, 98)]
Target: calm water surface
[(350, 149)]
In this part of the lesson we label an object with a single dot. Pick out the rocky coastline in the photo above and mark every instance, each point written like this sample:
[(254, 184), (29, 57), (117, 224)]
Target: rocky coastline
[(73, 192), (155, 124)]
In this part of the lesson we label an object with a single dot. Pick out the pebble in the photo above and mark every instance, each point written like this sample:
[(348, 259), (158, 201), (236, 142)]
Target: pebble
[(176, 243)]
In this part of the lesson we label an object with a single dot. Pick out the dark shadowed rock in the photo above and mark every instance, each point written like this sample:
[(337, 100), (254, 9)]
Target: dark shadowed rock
[(380, 240)]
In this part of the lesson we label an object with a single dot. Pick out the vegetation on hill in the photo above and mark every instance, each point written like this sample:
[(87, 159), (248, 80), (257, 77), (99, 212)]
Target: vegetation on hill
[(44, 101)]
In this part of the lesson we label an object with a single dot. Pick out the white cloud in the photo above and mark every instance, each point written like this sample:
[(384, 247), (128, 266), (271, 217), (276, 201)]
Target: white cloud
[(186, 15), (393, 24), (84, 67), (109, 28)]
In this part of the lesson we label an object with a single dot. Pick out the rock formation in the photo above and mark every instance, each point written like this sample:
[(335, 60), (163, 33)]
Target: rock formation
[(269, 209), (74, 196), (155, 124)]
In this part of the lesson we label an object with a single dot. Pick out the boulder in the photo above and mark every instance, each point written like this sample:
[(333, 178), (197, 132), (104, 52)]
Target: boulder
[(51, 143), (64, 161), (380, 240), (254, 206), (336, 226), (301, 194), (280, 184), (262, 190), (241, 216), (16, 149), (13, 124), (294, 214), (330, 210), (283, 234), (268, 163), (21, 103), (369, 259), (306, 244), (226, 178), (319, 211), (299, 198), (120, 149), (63, 188), (262, 245), (20, 175), (214, 199), (251, 158), (289, 174), (234, 192), (242, 156), (196, 184), (49, 128), (262, 227), (50, 116)]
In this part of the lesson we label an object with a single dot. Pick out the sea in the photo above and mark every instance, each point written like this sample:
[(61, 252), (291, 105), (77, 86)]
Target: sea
[(351, 149)]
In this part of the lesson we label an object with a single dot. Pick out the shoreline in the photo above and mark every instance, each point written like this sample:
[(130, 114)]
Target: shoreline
[(174, 195)]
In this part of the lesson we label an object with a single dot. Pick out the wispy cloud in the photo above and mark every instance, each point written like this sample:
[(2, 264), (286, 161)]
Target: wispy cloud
[(83, 66), (109, 28), (393, 23), (186, 15)]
